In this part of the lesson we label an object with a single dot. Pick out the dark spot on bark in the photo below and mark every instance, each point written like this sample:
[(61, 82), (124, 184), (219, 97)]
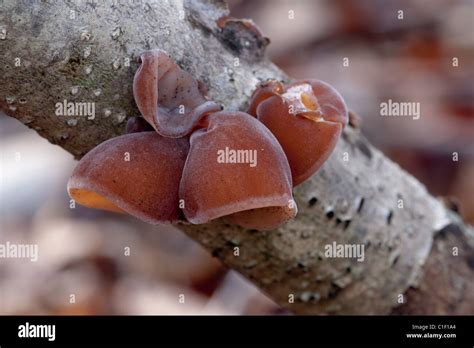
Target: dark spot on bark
[(354, 120), (361, 204), (362, 145), (330, 214), (395, 260), (302, 265), (389, 217), (312, 201), (470, 261), (345, 137), (216, 252), (451, 203), (333, 290), (230, 243), (346, 224)]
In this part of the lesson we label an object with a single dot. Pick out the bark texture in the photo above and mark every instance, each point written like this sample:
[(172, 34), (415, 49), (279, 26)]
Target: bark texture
[(85, 51)]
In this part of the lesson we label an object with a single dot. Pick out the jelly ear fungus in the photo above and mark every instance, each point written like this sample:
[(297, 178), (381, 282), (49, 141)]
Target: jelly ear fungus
[(169, 98), (212, 189), (174, 174), (136, 173), (307, 117)]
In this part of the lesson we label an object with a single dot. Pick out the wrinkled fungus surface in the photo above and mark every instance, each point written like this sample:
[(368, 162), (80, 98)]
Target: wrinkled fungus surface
[(136, 173), (212, 189), (307, 118), (169, 98)]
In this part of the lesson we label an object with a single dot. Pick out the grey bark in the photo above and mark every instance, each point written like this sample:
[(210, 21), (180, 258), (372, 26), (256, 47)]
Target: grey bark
[(79, 51)]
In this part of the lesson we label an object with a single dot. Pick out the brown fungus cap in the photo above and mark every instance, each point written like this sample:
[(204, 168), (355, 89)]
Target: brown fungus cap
[(137, 173), (169, 98), (307, 118), (217, 182)]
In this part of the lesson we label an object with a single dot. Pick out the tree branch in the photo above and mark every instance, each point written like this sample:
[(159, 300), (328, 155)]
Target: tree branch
[(79, 52)]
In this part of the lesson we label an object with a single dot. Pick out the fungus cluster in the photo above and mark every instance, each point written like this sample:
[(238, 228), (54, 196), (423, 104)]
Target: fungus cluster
[(165, 169)]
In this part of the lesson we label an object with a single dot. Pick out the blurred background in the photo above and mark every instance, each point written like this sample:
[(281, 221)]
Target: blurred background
[(93, 262)]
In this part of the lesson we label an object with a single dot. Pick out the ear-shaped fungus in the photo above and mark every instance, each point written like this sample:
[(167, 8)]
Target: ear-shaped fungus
[(169, 98), (307, 118), (137, 173), (235, 165)]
